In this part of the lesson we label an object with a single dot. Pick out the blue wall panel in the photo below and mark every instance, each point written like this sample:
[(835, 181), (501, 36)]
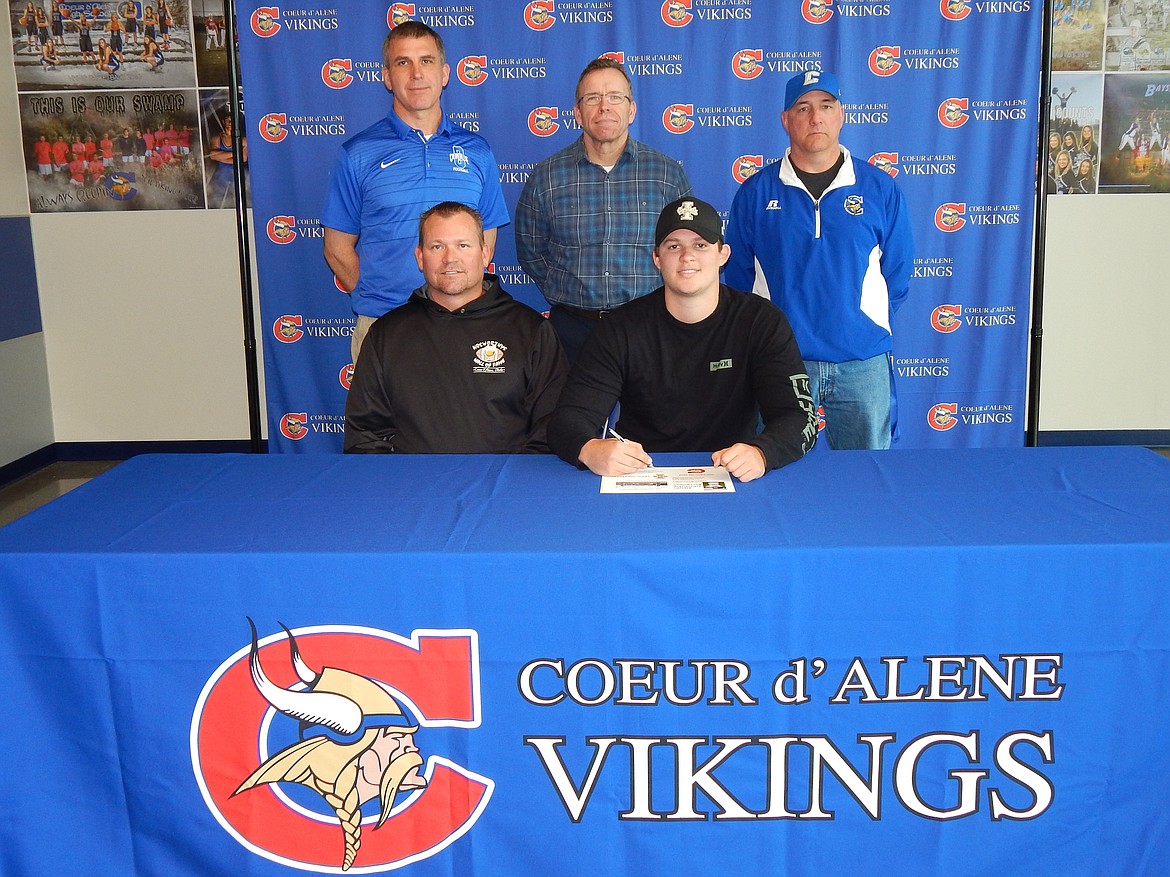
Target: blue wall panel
[(20, 312)]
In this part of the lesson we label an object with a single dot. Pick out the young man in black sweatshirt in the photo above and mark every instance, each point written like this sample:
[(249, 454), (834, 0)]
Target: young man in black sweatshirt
[(695, 365)]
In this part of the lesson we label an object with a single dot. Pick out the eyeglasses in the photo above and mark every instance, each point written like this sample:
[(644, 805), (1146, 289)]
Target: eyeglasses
[(612, 98)]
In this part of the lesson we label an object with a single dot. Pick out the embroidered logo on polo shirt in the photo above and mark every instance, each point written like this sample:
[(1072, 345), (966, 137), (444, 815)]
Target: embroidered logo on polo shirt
[(854, 205), (720, 364), (489, 358), (459, 160)]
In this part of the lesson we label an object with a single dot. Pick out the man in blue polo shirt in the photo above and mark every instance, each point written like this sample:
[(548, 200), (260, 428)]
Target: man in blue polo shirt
[(387, 175)]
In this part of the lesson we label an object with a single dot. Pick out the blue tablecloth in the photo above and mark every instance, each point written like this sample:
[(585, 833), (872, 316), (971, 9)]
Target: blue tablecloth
[(912, 663)]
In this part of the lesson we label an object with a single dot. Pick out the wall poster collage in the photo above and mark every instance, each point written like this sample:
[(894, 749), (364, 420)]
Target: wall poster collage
[(124, 104), (1109, 125)]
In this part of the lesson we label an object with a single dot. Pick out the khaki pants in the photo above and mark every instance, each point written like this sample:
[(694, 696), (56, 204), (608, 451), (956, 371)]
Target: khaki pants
[(359, 335)]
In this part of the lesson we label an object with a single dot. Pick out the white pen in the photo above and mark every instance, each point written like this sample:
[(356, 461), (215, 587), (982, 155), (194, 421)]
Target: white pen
[(614, 433)]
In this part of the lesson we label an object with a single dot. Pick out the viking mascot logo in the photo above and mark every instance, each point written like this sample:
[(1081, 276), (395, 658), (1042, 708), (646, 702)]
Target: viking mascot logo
[(339, 706), (346, 756)]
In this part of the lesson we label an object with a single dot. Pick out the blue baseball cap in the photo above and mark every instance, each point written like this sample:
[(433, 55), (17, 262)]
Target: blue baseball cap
[(810, 80)]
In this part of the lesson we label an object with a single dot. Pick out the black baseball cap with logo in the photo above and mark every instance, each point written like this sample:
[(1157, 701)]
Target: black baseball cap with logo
[(692, 214)]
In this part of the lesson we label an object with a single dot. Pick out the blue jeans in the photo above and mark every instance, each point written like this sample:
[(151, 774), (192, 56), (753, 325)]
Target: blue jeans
[(856, 398)]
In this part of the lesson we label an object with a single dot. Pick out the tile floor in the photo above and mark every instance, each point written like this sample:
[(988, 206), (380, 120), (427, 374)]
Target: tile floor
[(34, 490)]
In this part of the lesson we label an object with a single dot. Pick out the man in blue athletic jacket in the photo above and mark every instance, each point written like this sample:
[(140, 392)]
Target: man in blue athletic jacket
[(827, 238)]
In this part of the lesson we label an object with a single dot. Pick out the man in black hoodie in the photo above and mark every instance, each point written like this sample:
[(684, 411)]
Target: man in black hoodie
[(461, 368)]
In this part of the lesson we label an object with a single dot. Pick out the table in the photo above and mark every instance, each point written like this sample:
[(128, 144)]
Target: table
[(906, 663)]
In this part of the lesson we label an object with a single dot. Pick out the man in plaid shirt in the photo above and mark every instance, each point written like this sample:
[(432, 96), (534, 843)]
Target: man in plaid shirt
[(585, 220)]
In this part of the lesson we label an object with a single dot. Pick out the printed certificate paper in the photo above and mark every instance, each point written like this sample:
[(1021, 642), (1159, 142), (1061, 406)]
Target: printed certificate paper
[(671, 479)]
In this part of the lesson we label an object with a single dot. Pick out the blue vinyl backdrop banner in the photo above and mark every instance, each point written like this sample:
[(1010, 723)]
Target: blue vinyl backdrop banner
[(943, 95)]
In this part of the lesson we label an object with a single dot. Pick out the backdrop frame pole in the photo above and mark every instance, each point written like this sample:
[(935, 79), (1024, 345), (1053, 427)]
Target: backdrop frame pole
[(1036, 345), (251, 363)]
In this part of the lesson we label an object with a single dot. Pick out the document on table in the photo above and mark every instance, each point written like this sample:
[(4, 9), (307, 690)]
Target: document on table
[(671, 479)]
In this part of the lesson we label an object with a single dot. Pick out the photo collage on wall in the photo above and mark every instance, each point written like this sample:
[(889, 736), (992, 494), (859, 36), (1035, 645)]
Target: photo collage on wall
[(1109, 124), (124, 104)]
